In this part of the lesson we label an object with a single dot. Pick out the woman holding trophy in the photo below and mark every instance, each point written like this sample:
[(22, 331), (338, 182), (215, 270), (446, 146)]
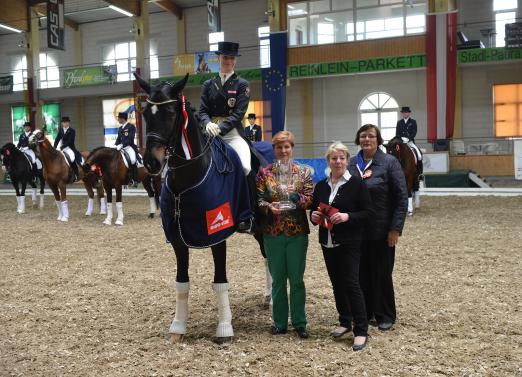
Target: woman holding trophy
[(284, 192)]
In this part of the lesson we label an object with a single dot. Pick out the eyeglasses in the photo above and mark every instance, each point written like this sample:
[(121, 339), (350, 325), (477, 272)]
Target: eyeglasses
[(367, 136)]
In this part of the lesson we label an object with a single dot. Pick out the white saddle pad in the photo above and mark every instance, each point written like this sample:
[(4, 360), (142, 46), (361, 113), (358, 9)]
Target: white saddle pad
[(130, 152)]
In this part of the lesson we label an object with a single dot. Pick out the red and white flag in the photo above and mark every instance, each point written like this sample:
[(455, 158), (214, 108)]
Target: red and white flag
[(441, 74)]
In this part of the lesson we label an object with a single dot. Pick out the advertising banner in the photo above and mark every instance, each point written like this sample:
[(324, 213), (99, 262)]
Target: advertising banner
[(517, 154), (19, 115), (55, 25), (206, 62), (86, 76), (51, 120), (214, 18), (111, 108), (183, 64), (6, 84)]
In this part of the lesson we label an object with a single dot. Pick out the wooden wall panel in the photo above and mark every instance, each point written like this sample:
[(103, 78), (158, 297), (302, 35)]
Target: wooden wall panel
[(485, 165), (367, 49)]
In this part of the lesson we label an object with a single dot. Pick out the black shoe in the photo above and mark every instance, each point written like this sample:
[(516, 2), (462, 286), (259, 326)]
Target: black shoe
[(301, 333), (385, 326), (277, 331), (339, 334), (358, 347)]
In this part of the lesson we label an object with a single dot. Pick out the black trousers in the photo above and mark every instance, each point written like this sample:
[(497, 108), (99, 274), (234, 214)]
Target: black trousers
[(377, 260), (342, 264)]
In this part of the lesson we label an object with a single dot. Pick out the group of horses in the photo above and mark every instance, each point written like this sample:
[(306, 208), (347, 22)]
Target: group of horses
[(102, 170)]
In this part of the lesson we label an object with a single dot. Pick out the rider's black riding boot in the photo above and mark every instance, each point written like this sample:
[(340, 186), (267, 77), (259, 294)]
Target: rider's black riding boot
[(134, 176), (74, 167), (248, 226), (420, 170)]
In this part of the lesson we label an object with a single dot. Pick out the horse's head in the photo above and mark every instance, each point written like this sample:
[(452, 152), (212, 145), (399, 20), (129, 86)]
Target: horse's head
[(38, 136), (395, 146), (164, 121), (92, 174)]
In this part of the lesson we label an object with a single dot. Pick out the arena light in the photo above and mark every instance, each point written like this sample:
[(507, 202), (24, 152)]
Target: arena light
[(122, 11), (10, 28)]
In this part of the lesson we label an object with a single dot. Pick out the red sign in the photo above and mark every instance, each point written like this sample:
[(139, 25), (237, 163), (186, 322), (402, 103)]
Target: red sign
[(219, 218)]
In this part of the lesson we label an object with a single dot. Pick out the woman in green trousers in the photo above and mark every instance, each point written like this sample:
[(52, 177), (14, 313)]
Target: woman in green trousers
[(286, 234)]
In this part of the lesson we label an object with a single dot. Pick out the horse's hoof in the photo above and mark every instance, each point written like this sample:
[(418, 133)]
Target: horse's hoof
[(64, 219), (223, 340), (103, 212), (151, 215), (118, 222), (88, 213), (107, 222), (410, 213), (176, 338)]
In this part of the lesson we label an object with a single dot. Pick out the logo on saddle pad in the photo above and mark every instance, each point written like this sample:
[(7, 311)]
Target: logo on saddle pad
[(219, 218)]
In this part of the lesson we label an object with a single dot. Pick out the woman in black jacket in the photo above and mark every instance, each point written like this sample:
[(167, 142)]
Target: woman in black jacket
[(341, 206), (382, 174)]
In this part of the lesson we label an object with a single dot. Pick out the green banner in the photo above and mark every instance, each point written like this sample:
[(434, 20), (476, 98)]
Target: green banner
[(357, 66), (6, 84), (86, 76), (51, 120), (480, 55), (19, 115), (199, 79)]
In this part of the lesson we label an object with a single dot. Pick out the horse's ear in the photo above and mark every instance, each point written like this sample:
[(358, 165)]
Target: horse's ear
[(142, 83), (178, 87)]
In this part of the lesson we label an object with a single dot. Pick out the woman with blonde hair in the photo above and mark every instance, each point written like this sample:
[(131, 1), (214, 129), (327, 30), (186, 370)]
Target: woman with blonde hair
[(341, 205), (285, 234)]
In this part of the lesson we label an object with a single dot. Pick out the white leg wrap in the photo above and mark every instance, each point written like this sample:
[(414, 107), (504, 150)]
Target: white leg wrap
[(22, 204), (417, 199), (108, 219), (224, 327), (268, 280), (103, 206), (18, 204), (410, 206), (152, 205), (119, 209), (41, 201), (90, 207), (179, 324), (65, 211), (33, 196), (59, 206)]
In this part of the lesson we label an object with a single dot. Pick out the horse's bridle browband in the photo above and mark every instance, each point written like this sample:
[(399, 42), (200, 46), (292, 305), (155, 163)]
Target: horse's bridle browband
[(162, 102)]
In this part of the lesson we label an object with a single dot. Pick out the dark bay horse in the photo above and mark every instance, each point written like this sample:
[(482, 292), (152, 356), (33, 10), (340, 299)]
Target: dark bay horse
[(107, 164), (406, 157), (20, 171), (175, 139)]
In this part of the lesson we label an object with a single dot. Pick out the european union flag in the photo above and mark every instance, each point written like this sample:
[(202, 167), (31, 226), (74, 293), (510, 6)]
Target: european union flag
[(274, 82)]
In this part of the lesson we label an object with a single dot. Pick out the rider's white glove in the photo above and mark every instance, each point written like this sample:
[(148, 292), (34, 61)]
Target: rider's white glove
[(119, 146), (405, 139), (212, 129)]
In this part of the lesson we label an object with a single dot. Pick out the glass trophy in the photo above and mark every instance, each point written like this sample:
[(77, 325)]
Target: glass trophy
[(284, 178)]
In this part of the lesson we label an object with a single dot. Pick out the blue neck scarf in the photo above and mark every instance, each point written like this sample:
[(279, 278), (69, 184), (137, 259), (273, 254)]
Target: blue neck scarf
[(361, 165)]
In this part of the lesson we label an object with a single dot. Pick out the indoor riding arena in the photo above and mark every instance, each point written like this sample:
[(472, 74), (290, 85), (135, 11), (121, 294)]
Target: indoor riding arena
[(430, 90)]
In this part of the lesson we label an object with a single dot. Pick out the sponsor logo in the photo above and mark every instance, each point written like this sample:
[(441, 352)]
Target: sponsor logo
[(219, 219)]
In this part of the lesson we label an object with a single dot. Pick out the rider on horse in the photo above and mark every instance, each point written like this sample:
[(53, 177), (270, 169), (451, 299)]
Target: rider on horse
[(407, 130), (224, 102), (23, 145), (125, 141), (65, 142)]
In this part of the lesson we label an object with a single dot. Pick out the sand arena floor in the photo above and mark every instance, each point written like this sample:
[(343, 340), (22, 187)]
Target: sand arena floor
[(84, 299)]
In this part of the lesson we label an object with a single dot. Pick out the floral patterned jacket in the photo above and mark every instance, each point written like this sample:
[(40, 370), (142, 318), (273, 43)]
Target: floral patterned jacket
[(292, 222)]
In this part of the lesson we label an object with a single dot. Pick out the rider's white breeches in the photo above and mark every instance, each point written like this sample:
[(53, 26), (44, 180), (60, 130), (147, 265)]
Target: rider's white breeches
[(241, 147)]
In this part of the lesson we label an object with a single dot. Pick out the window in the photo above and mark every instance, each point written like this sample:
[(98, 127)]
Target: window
[(214, 38), (19, 73), (381, 110), (318, 22), (501, 19), (49, 74), (507, 103), (263, 33), (123, 55)]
